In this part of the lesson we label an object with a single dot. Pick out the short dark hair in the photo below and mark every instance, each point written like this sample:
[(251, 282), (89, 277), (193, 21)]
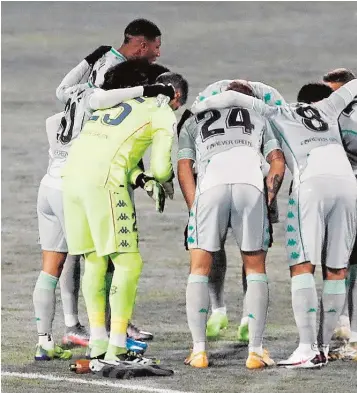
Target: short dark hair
[(241, 87), (313, 92), (133, 72), (178, 82), (339, 75), (141, 27)]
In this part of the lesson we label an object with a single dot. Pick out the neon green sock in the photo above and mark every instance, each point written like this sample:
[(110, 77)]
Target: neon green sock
[(93, 288), (122, 294)]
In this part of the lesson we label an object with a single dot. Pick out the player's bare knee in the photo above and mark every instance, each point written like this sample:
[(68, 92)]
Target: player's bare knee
[(335, 274), (52, 262), (201, 262), (254, 261), (302, 268)]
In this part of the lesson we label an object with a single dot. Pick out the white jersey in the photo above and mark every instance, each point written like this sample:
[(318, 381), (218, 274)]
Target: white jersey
[(348, 126), (309, 134), (227, 147), (108, 60)]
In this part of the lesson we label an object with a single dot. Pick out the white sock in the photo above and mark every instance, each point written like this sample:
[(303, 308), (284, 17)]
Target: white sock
[(199, 347), (118, 340), (221, 310), (98, 333), (244, 321), (257, 350), (71, 320), (46, 341)]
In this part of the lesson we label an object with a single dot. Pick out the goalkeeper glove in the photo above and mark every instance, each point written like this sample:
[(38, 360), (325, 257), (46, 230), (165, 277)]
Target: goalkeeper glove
[(97, 54), (154, 189), (159, 88)]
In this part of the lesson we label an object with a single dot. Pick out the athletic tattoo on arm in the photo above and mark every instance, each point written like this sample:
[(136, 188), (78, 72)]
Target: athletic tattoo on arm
[(276, 174)]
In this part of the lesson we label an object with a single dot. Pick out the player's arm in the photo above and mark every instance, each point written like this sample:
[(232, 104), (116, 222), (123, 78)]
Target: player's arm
[(338, 100), (275, 157), (102, 99), (231, 98), (73, 78), (164, 127), (185, 171), (267, 93)]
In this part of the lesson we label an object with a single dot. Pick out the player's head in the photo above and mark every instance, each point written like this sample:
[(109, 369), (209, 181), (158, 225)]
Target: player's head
[(180, 85), (134, 72), (313, 92), (142, 38), (338, 77), (240, 86)]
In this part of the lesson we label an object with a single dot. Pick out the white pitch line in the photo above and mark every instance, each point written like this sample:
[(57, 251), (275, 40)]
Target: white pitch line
[(51, 377)]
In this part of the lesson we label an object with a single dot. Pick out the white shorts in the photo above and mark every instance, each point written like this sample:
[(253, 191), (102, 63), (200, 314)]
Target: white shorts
[(321, 222), (240, 206), (51, 219)]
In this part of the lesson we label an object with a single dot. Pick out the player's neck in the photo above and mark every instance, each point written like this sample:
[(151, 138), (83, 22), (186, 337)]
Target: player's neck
[(126, 51)]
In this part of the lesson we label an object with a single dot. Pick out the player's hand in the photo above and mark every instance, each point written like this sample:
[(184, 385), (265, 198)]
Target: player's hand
[(97, 54), (169, 189), (154, 189), (159, 88)]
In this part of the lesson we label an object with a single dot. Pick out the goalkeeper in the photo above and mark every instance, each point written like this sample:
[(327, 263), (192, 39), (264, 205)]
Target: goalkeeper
[(99, 215)]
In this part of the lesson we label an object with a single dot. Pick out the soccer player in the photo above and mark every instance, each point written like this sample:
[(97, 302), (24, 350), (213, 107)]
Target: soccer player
[(99, 215), (322, 206), (218, 319), (347, 329), (142, 39), (217, 140), (62, 129)]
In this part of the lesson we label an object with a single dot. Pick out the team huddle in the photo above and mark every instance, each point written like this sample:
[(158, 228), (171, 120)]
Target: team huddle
[(117, 103)]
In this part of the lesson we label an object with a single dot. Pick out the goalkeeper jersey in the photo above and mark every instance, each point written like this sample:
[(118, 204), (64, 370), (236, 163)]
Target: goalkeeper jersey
[(114, 140)]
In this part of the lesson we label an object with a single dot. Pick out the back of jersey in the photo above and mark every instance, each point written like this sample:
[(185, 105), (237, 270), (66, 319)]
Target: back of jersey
[(348, 126), (227, 146), (311, 141), (113, 141)]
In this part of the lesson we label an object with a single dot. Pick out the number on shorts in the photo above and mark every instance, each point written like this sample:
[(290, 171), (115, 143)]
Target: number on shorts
[(311, 118), (350, 108), (237, 117)]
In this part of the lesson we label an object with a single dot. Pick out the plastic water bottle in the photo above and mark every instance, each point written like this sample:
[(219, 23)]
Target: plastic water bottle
[(80, 366)]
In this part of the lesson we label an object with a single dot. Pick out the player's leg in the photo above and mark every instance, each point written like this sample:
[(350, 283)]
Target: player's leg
[(54, 251), (207, 228), (127, 270), (304, 237), (249, 222), (340, 238), (351, 348), (218, 319), (93, 288), (75, 333), (243, 328)]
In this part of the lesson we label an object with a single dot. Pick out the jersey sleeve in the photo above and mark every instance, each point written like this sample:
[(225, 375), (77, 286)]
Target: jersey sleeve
[(187, 149), (232, 98), (270, 140), (73, 78), (338, 100), (102, 99), (164, 129), (267, 93)]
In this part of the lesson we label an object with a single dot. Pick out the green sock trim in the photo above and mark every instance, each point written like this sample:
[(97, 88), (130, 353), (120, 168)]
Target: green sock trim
[(302, 281), (260, 277), (334, 287), (46, 281), (197, 278)]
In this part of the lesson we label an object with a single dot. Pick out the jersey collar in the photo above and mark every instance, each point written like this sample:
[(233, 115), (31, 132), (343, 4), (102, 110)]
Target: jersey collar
[(118, 54)]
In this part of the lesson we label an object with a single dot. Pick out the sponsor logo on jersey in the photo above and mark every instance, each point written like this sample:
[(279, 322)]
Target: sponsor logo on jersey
[(123, 217), (60, 153), (124, 244), (124, 230), (229, 143), (121, 204)]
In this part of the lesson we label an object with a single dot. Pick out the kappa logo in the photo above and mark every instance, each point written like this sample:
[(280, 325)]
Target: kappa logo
[(124, 244), (121, 204), (124, 230), (123, 217)]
